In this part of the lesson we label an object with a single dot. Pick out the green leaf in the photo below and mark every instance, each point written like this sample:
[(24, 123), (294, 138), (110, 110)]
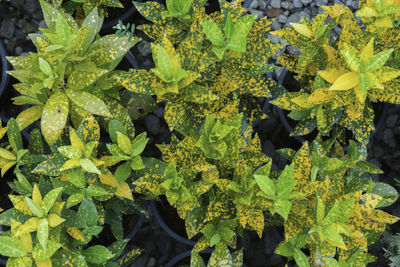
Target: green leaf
[(45, 67), (10, 247), (89, 102), (139, 144), (386, 191), (93, 23), (50, 199), (216, 238), (282, 207), (137, 163), (352, 61), (87, 212), (118, 247), (364, 82), (333, 214), (124, 143), (19, 262), (89, 166), (70, 152), (38, 253), (242, 27), (75, 199), (77, 178), (5, 154), (377, 61), (97, 254), (122, 173), (213, 32), (34, 207), (335, 238), (300, 258), (54, 117), (116, 126), (164, 63), (320, 210), (96, 191), (266, 185), (43, 232), (14, 135), (286, 182)]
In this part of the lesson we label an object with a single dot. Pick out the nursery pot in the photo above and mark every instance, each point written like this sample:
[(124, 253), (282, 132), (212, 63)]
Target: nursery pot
[(184, 258), (4, 68), (285, 76), (161, 217)]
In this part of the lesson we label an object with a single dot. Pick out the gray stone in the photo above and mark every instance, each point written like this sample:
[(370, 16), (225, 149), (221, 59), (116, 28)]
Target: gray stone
[(276, 3), (306, 2), (42, 24), (257, 12), (282, 18), (396, 130), (144, 48), (18, 50), (378, 151), (293, 50), (297, 4), (152, 124), (391, 120), (273, 38), (338, 2), (276, 25), (140, 261), (295, 17), (285, 4), (388, 137), (29, 27), (30, 6), (354, 5), (262, 5), (321, 2), (151, 262), (7, 28), (254, 4)]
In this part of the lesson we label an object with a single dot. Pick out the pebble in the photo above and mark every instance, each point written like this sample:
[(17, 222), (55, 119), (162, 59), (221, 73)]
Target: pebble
[(254, 4), (274, 12), (262, 5), (144, 48), (306, 2), (18, 50), (276, 25), (285, 4), (282, 18), (295, 17), (297, 4), (7, 28), (257, 12), (391, 120), (276, 3)]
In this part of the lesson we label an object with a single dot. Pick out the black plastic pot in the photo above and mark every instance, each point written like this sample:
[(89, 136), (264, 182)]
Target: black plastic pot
[(163, 224), (289, 128), (4, 68), (186, 256)]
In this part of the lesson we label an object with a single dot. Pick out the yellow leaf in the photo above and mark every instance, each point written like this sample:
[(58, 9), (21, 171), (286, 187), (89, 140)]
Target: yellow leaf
[(54, 220), (75, 233), (108, 179), (331, 75), (346, 81), (29, 116), (69, 164), (36, 196), (302, 101), (366, 12), (387, 74), (124, 191), (26, 228), (57, 207), (26, 241), (43, 263), (320, 96), (375, 82), (20, 204), (383, 217), (75, 140), (384, 22), (302, 29), (368, 51)]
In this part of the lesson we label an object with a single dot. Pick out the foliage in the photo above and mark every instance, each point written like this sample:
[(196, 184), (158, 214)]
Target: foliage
[(191, 77), (208, 178), (351, 73), (67, 195), (69, 77)]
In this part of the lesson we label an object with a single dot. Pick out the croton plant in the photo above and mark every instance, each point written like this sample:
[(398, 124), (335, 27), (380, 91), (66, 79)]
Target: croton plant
[(82, 172)]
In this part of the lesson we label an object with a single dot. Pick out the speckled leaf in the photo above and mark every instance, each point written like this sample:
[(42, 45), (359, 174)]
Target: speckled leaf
[(89, 130), (50, 199), (54, 117), (19, 262), (14, 135), (93, 22), (89, 102), (304, 127), (87, 212), (51, 166), (387, 192), (97, 254), (151, 10), (300, 258), (89, 166), (38, 253), (43, 232), (10, 247), (29, 116)]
